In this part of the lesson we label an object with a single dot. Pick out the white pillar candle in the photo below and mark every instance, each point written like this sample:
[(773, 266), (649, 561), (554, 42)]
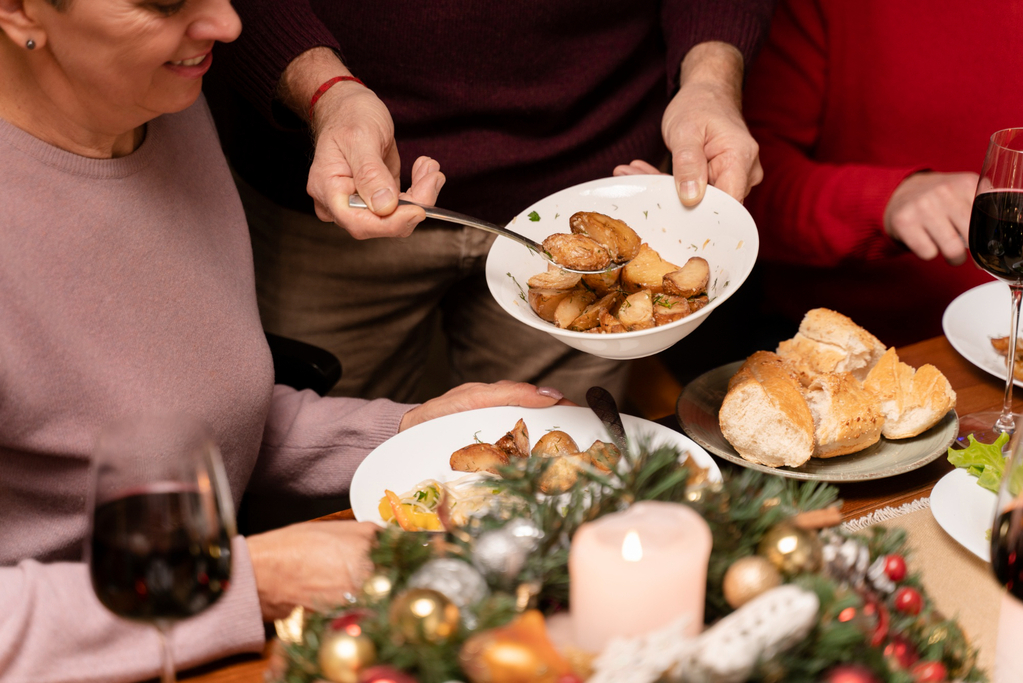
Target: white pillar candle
[(635, 571)]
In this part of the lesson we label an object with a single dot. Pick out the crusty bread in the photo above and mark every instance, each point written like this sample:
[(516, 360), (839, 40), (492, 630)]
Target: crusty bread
[(830, 342), (764, 415), (846, 417), (913, 401)]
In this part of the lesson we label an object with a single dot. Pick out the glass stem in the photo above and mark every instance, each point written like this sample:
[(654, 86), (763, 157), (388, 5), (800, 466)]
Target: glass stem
[(1005, 422), (163, 627)]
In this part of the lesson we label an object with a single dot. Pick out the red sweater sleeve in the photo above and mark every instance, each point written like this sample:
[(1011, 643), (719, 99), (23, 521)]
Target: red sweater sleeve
[(274, 32), (742, 23), (809, 212)]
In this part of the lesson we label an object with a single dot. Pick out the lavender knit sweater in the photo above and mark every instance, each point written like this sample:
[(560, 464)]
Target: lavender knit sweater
[(126, 285)]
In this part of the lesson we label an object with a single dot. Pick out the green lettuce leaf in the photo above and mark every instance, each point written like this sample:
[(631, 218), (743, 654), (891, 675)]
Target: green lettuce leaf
[(983, 461)]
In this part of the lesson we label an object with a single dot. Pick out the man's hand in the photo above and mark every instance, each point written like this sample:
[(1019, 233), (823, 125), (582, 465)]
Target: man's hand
[(474, 395), (930, 214), (355, 152), (704, 130), (313, 564)]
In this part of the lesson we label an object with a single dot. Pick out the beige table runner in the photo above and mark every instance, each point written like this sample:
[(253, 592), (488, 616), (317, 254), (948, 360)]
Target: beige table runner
[(960, 583)]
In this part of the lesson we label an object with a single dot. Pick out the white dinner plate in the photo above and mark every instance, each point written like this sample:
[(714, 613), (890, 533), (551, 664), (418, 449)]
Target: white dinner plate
[(424, 451), (973, 319), (965, 511)]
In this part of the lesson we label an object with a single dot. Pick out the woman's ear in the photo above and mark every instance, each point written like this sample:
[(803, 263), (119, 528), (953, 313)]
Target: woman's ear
[(19, 20)]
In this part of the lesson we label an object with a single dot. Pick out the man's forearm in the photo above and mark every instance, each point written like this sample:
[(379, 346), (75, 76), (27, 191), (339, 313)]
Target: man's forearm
[(305, 74), (715, 64)]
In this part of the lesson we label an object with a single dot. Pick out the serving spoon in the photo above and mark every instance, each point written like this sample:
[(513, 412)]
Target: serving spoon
[(357, 202)]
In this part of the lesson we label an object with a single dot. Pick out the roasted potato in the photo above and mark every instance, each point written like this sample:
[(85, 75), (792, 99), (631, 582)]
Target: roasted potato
[(689, 280), (603, 283), (562, 473), (637, 311), (554, 278), (554, 443), (603, 456), (577, 251), (669, 308), (698, 302), (516, 442), (609, 323), (572, 306), (646, 271), (544, 302), (590, 318), (479, 457), (621, 241)]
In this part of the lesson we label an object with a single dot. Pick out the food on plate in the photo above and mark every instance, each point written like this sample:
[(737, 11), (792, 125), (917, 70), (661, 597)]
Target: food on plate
[(831, 390), (516, 442), (846, 417), (984, 461), (648, 291), (554, 443), (1001, 345), (479, 457), (764, 415), (913, 401), (830, 342), (417, 510)]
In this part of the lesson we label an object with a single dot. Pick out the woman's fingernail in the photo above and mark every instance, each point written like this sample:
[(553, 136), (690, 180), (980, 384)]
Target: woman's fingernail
[(381, 197), (550, 392), (689, 189)]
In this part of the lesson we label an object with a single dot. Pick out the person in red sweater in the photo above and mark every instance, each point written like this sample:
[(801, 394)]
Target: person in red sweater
[(515, 100), (873, 119)]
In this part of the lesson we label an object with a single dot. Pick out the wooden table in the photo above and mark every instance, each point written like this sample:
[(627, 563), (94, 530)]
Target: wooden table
[(976, 390)]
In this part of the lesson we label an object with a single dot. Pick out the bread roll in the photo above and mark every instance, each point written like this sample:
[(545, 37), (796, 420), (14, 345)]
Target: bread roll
[(846, 417), (830, 342), (764, 415), (913, 401)]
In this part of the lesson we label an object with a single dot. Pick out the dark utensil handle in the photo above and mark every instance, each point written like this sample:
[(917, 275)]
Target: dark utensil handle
[(603, 404)]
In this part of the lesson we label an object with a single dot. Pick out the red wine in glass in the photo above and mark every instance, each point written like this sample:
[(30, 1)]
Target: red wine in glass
[(1007, 550), (147, 562), (996, 234)]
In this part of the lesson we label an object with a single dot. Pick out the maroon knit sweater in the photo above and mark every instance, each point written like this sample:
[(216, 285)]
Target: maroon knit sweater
[(516, 99)]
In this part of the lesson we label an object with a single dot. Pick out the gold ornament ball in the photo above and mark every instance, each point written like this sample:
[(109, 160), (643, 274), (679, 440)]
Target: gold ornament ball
[(377, 587), (747, 578), (791, 549), (422, 615), (343, 656)]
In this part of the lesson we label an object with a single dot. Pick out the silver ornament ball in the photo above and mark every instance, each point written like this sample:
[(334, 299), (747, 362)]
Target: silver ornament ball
[(499, 553), (454, 579)]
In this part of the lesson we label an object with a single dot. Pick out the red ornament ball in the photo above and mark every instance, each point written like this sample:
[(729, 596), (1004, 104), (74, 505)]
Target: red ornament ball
[(384, 674), (349, 622), (908, 600), (895, 567), (901, 653), (850, 673), (929, 672)]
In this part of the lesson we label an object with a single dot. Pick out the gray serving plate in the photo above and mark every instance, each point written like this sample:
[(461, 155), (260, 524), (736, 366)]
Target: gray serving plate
[(697, 412)]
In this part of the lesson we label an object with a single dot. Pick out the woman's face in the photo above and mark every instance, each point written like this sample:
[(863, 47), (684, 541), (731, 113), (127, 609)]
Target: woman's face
[(136, 59)]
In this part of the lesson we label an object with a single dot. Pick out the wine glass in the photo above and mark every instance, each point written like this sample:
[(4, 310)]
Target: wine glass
[(996, 244), (162, 522)]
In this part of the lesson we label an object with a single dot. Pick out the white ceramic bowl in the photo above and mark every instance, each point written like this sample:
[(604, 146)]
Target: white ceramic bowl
[(719, 229)]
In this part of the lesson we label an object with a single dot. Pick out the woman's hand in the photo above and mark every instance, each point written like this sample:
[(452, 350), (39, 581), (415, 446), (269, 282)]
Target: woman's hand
[(930, 214), (474, 395), (312, 564)]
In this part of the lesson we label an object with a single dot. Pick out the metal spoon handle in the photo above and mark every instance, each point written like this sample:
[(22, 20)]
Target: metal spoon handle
[(357, 202), (603, 404)]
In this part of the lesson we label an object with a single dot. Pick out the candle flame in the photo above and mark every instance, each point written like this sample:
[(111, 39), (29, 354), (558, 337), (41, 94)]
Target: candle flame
[(632, 549)]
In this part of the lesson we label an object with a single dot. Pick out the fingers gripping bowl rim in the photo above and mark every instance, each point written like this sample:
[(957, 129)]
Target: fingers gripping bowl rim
[(718, 229)]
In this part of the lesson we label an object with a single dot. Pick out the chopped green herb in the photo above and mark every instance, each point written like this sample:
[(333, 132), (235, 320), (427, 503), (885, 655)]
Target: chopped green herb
[(614, 206), (476, 437), (645, 215), (658, 206), (522, 295), (556, 216), (533, 216)]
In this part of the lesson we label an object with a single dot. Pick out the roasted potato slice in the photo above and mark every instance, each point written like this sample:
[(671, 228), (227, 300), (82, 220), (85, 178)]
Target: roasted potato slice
[(646, 271), (669, 308), (603, 456), (479, 457), (689, 280), (590, 318), (603, 283), (572, 306), (554, 278), (621, 241), (544, 302), (554, 443), (516, 442), (698, 302), (577, 251), (609, 323), (562, 473), (637, 311)]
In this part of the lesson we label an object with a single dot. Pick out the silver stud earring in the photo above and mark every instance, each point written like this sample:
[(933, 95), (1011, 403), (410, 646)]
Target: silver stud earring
[(30, 44)]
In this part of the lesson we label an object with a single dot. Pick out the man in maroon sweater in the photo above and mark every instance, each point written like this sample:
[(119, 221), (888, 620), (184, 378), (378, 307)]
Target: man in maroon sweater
[(515, 100)]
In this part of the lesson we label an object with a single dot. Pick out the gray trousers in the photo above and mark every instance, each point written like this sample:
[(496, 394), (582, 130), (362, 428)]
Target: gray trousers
[(375, 304)]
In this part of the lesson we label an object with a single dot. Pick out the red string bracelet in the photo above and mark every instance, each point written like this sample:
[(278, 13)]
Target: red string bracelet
[(327, 86)]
